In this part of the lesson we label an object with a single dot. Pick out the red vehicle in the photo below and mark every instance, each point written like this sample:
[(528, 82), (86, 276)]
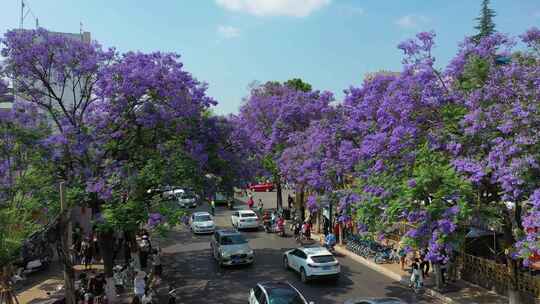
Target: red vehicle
[(262, 187)]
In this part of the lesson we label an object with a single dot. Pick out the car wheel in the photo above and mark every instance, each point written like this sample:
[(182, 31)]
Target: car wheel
[(286, 263), (303, 276)]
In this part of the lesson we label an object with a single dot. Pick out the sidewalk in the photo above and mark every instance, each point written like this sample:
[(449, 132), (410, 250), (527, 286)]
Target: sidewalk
[(459, 292)]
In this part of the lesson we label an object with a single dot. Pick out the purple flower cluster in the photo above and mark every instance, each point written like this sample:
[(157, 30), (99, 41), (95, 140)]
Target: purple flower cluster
[(155, 219), (312, 204)]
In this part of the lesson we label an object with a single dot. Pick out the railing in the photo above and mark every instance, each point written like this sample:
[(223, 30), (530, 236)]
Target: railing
[(495, 276)]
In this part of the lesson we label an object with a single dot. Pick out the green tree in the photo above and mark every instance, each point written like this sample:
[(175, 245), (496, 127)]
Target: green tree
[(485, 26), (298, 84)]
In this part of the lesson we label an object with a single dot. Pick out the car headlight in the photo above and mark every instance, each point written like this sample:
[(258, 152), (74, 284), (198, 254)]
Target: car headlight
[(249, 252)]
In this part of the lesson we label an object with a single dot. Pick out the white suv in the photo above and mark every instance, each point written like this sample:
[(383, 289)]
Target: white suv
[(243, 219), (311, 262), (202, 222)]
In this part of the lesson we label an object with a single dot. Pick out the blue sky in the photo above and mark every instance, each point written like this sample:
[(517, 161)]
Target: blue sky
[(331, 44)]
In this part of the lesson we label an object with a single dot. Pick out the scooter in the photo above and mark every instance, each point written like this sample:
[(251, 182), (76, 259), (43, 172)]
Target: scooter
[(230, 204), (330, 247)]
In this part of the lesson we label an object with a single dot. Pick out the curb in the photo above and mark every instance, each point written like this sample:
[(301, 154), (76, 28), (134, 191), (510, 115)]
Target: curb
[(392, 275)]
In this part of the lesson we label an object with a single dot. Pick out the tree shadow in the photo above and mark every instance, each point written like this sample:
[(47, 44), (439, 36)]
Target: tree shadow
[(196, 273)]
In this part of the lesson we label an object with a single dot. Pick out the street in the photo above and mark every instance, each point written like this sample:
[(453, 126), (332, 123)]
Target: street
[(189, 266)]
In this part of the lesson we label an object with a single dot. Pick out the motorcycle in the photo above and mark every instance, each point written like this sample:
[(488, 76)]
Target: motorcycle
[(230, 204)]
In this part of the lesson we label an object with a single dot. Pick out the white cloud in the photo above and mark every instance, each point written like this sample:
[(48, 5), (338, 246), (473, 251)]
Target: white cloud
[(411, 21), (228, 32), (291, 8)]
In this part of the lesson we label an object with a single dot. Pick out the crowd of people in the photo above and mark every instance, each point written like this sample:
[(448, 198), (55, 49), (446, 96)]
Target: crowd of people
[(137, 267)]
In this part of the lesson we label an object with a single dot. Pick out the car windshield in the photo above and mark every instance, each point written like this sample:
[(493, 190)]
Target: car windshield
[(323, 259), (188, 196), (234, 239), (203, 218), (284, 296), (248, 214)]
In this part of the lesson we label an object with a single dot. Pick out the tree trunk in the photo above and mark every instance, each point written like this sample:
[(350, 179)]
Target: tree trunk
[(63, 249), (64, 257), (513, 294), (106, 244), (278, 192)]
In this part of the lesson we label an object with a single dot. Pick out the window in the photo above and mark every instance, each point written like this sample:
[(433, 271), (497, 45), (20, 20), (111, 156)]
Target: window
[(323, 259), (233, 239), (251, 214), (235, 214), (202, 218), (284, 296), (301, 254)]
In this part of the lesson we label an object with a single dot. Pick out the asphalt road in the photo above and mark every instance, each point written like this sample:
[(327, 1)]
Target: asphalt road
[(188, 266)]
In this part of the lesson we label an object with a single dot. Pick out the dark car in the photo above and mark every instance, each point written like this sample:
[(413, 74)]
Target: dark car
[(276, 292)]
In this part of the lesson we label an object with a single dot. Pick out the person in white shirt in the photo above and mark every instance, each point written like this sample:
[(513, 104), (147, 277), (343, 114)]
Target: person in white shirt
[(139, 284)]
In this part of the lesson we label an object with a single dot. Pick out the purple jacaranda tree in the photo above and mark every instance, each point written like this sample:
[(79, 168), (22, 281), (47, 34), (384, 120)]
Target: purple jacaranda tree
[(393, 124), (57, 74), (107, 111), (274, 111), (497, 146)]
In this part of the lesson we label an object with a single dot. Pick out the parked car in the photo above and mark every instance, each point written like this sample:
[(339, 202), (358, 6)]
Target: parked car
[(243, 219), (312, 262), (261, 187), (172, 192), (374, 301), (222, 198), (229, 248), (202, 222), (186, 200), (276, 292)]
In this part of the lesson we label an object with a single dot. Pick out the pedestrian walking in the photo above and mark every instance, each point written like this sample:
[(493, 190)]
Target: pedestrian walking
[(290, 201), (145, 248), (87, 253), (212, 207), (158, 269), (416, 277), (139, 284), (250, 202), (402, 257), (424, 263), (260, 206)]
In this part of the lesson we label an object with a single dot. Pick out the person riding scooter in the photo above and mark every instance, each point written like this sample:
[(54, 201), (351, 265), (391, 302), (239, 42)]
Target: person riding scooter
[(267, 223), (330, 241), (230, 204), (281, 226)]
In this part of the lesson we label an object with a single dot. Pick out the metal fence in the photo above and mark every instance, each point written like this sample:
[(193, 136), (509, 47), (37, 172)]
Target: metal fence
[(495, 276)]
